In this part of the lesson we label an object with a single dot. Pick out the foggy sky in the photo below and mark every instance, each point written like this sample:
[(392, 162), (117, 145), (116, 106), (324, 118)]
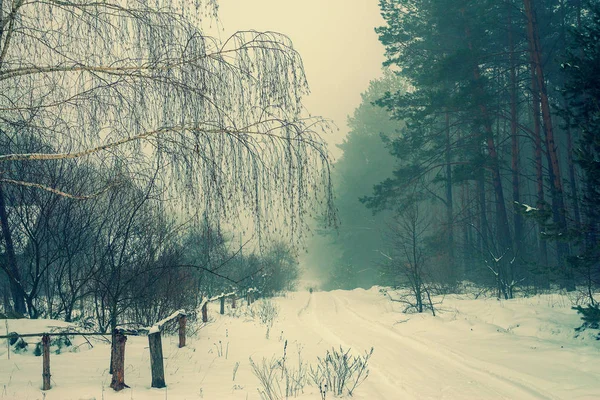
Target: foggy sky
[(336, 40)]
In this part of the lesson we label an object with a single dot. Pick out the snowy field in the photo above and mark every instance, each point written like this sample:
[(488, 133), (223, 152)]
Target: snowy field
[(474, 349)]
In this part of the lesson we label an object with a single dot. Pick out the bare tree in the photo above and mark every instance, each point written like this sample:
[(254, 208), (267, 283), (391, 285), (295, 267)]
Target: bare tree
[(138, 80), (407, 263)]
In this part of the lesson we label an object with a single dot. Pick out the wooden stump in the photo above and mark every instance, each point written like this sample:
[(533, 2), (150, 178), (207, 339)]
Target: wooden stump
[(222, 311), (205, 312), (118, 364), (182, 321), (46, 362), (156, 360)]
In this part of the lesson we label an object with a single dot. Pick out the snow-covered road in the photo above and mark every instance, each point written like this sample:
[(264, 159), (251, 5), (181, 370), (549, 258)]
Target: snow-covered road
[(474, 349), (409, 366)]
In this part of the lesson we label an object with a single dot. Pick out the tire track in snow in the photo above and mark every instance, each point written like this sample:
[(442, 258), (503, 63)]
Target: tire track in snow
[(308, 315), (380, 380), (469, 366)]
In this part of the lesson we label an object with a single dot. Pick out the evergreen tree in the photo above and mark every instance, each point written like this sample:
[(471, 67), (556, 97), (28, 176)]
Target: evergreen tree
[(582, 92)]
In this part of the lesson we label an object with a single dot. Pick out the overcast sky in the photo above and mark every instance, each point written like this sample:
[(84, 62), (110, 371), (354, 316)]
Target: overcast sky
[(336, 40)]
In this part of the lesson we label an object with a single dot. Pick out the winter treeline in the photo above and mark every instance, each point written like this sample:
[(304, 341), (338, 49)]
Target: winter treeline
[(123, 257), (477, 151)]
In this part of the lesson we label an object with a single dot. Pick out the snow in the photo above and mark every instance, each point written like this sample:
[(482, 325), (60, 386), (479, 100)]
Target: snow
[(475, 349), (159, 325), (207, 300)]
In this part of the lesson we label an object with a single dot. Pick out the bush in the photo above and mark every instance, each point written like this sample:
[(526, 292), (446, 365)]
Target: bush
[(278, 379), (340, 372), (266, 311)]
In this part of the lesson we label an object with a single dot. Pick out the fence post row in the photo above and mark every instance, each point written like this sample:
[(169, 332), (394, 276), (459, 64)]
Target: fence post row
[(117, 362), (117, 359), (46, 361), (117, 356)]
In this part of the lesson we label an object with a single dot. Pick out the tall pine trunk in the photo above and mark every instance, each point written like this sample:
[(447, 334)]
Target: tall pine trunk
[(502, 226), (504, 252), (517, 217), (558, 203), (450, 205), (569, 130), (539, 166)]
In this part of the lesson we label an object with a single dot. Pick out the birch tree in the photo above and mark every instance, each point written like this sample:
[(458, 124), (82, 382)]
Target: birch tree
[(139, 81)]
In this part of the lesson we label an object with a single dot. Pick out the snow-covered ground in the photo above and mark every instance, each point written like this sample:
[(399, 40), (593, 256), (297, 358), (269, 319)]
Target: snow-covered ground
[(474, 349)]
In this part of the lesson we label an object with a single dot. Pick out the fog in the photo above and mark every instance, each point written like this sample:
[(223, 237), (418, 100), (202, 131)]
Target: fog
[(336, 40)]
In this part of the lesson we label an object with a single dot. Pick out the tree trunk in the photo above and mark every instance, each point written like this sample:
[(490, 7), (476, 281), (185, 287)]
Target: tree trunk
[(502, 228), (12, 270), (504, 249), (450, 206), (536, 60), (558, 203), (222, 310), (539, 166), (6, 298), (483, 221), (573, 179), (515, 169), (467, 245), (156, 360)]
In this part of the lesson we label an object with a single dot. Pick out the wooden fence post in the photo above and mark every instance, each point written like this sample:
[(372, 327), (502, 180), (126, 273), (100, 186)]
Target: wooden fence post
[(205, 312), (182, 321), (156, 360), (222, 311), (46, 362), (233, 301), (118, 364)]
